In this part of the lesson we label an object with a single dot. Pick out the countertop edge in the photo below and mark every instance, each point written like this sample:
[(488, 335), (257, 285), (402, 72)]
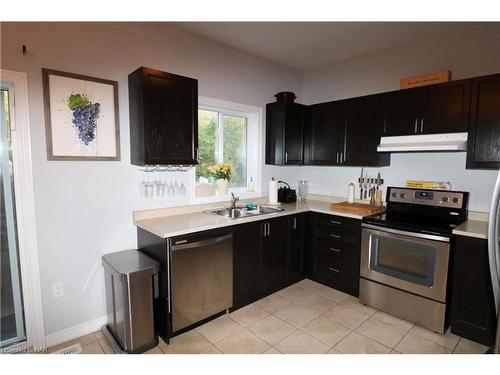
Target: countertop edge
[(231, 222)]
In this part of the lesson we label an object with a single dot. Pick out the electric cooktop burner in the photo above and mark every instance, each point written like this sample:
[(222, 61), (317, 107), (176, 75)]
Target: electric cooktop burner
[(422, 211)]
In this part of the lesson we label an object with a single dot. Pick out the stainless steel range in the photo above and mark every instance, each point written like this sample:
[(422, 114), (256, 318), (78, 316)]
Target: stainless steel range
[(405, 254)]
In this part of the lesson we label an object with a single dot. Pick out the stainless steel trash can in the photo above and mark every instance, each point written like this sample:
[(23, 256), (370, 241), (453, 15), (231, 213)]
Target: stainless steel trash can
[(131, 281)]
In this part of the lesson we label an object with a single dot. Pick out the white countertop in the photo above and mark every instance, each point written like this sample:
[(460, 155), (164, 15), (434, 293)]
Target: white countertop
[(180, 224), (473, 228)]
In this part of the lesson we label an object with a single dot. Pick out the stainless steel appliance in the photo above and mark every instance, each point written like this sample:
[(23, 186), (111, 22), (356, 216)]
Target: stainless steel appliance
[(494, 254), (405, 254), (201, 277), (131, 283)]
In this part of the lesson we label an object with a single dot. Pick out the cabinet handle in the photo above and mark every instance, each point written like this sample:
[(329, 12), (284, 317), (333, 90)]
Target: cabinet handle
[(294, 225), (264, 229), (337, 157), (335, 222), (342, 157), (286, 157), (422, 125), (416, 124), (268, 229), (335, 236), (333, 269), (335, 250)]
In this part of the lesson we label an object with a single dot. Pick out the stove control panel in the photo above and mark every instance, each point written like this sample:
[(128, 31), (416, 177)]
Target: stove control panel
[(438, 198)]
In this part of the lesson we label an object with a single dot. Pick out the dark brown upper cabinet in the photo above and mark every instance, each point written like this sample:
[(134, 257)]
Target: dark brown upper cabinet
[(325, 133), (484, 130), (285, 133), (163, 118), (442, 108), (346, 132), (445, 107), (402, 110), (363, 128)]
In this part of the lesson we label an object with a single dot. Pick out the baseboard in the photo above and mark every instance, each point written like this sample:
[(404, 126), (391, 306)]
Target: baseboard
[(75, 331)]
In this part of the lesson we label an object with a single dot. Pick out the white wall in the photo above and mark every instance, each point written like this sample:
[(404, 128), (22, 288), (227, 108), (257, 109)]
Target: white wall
[(84, 209), (473, 52)]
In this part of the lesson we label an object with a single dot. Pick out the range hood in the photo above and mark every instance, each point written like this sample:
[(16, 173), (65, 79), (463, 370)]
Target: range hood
[(424, 142)]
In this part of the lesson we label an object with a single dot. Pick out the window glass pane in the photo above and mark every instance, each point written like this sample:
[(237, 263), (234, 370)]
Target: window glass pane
[(235, 148), (207, 141), (12, 329)]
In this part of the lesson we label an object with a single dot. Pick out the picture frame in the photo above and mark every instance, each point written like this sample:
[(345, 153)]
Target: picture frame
[(81, 117)]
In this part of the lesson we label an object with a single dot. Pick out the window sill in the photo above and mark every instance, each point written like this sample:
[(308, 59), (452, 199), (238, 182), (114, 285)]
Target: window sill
[(242, 193)]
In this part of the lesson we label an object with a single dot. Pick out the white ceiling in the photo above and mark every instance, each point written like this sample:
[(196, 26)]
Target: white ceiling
[(306, 45)]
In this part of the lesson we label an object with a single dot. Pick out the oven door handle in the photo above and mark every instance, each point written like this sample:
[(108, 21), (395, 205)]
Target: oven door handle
[(405, 233)]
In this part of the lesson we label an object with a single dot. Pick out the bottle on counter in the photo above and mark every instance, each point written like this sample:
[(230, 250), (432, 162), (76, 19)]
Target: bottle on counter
[(251, 185), (351, 192)]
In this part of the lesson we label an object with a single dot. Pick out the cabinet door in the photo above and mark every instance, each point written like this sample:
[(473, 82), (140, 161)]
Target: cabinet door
[(472, 303), (325, 133), (445, 108), (247, 260), (296, 229), (284, 133), (363, 128), (170, 110), (484, 131), (294, 134), (274, 251), (402, 111)]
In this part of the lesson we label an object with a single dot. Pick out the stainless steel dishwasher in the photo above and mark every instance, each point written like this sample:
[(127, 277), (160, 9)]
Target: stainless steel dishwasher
[(201, 277)]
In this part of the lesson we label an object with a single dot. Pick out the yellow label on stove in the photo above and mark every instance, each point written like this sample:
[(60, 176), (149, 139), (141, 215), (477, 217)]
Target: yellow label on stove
[(434, 185)]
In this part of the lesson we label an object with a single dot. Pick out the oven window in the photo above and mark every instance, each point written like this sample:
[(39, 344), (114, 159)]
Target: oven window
[(403, 259)]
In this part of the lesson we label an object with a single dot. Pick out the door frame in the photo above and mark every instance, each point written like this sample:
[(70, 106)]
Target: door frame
[(25, 209)]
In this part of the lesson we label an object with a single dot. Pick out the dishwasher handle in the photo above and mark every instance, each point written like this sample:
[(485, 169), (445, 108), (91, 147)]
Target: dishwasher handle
[(211, 241)]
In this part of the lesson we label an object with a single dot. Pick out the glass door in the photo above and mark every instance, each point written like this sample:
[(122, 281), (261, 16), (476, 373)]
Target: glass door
[(404, 259), (12, 324)]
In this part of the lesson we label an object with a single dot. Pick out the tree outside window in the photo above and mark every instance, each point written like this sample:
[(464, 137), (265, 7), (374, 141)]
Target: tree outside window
[(222, 138)]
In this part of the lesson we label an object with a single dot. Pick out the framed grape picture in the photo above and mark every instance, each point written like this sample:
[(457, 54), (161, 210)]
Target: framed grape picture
[(81, 117)]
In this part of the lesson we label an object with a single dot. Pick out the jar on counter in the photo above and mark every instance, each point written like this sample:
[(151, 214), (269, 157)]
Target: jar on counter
[(351, 191)]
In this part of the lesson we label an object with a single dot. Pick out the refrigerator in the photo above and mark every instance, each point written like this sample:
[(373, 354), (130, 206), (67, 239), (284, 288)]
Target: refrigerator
[(494, 254)]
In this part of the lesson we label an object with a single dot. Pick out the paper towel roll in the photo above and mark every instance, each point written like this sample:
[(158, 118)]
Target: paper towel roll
[(273, 191)]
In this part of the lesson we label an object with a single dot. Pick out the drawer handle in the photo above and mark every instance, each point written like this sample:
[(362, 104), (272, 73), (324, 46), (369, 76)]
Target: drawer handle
[(335, 236), (333, 269), (336, 222), (335, 250)]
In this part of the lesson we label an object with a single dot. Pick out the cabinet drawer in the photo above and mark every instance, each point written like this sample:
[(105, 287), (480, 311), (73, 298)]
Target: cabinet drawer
[(338, 222), (337, 269), (344, 235), (337, 247)]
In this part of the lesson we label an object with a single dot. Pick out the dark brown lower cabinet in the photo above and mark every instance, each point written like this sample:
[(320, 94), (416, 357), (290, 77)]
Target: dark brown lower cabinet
[(268, 255), (334, 252), (248, 284), (472, 303), (296, 253)]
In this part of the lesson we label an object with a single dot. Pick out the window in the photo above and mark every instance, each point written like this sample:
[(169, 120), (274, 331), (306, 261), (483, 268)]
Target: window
[(222, 138)]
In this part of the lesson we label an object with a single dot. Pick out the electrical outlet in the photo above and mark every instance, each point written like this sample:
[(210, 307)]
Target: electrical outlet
[(57, 289)]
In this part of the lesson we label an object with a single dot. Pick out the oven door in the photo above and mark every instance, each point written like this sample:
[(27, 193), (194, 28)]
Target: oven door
[(413, 262)]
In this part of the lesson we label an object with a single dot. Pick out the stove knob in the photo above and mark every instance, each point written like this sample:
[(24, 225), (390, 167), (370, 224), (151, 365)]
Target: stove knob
[(394, 195), (455, 200), (445, 199), (402, 195)]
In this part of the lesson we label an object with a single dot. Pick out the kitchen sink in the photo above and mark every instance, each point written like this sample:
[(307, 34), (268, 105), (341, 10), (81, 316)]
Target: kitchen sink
[(240, 212)]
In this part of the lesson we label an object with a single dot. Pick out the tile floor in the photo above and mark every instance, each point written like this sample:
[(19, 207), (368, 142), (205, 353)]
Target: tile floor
[(304, 318)]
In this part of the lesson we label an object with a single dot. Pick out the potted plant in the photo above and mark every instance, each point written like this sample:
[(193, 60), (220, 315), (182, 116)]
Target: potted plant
[(222, 174)]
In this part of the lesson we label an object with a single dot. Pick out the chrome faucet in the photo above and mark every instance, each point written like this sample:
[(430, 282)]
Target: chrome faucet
[(234, 199)]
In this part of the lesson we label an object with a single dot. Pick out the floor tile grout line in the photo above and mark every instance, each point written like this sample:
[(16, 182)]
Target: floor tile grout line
[(454, 347), (432, 342)]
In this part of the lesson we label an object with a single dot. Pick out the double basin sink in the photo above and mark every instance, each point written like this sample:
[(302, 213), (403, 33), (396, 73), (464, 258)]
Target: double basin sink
[(241, 212)]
